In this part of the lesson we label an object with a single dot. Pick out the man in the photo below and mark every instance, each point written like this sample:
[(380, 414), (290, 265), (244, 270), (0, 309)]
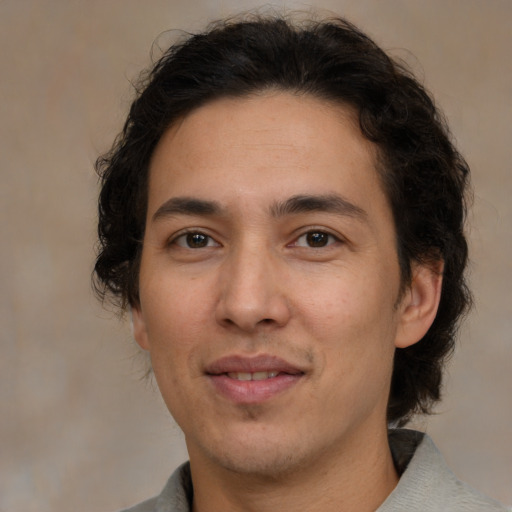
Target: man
[(283, 214)]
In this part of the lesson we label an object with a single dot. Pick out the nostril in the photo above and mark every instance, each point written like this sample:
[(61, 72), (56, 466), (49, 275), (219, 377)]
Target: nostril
[(250, 309)]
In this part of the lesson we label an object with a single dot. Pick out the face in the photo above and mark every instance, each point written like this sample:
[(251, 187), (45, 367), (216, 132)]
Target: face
[(269, 282)]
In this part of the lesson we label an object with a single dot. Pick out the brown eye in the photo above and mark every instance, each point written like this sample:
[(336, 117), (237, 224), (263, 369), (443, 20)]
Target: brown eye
[(195, 240), (317, 239)]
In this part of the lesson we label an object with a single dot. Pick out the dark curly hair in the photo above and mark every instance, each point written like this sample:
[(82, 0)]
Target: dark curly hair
[(423, 175)]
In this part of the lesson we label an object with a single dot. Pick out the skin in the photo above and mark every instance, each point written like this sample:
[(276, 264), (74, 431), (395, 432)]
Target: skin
[(243, 279)]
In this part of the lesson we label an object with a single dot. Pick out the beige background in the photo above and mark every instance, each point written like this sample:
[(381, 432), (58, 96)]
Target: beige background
[(78, 430)]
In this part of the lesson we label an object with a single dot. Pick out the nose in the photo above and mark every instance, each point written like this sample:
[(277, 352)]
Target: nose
[(252, 291)]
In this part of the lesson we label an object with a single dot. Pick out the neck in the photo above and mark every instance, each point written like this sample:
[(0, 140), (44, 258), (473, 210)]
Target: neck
[(357, 477)]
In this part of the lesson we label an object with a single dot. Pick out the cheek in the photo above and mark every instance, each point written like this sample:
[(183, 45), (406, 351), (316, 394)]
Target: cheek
[(176, 308), (357, 351), (347, 302), (355, 325), (175, 328)]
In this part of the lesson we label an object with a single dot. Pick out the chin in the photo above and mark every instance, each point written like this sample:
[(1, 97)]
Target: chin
[(269, 456), (264, 464)]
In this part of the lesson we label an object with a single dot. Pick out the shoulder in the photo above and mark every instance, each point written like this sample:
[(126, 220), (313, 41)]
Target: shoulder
[(427, 484), (145, 506)]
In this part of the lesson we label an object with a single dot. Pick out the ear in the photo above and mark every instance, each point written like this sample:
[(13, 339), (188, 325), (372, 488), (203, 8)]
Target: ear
[(420, 302), (139, 330)]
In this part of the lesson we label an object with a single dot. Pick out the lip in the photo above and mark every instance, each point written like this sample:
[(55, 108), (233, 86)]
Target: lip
[(251, 364), (252, 391)]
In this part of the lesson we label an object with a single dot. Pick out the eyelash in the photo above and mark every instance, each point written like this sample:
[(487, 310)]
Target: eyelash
[(187, 237), (331, 239)]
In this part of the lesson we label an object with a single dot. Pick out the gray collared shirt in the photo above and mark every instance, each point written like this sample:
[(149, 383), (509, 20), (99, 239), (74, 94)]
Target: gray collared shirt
[(426, 483)]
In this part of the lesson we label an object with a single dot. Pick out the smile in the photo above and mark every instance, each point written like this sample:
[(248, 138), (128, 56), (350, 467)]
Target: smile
[(251, 380), (252, 376)]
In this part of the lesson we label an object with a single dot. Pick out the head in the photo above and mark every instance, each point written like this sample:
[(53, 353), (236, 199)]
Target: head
[(422, 175)]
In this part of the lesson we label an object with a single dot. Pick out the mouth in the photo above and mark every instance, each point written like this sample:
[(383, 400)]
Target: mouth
[(245, 376), (251, 380)]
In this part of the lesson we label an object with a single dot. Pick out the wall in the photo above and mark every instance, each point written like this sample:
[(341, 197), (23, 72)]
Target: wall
[(79, 430)]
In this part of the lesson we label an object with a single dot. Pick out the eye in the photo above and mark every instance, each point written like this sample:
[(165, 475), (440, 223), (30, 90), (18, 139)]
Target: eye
[(194, 240), (316, 239)]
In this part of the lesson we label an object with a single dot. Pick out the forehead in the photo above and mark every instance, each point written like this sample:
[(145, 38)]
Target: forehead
[(264, 147)]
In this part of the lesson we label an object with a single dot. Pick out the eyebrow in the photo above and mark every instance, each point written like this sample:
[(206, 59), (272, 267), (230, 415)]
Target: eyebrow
[(331, 203), (187, 206)]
